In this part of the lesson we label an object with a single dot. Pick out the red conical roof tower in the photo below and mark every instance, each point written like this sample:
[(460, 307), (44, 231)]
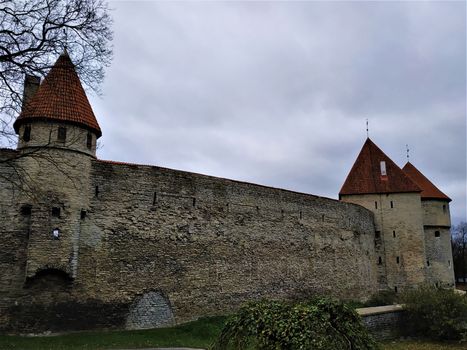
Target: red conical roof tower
[(429, 190), (374, 172), (61, 98)]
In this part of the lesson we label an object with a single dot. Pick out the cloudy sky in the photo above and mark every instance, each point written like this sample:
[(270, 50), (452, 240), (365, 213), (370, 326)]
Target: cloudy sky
[(277, 93)]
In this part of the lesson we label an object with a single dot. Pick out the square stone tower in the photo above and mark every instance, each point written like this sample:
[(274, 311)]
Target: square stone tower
[(378, 184)]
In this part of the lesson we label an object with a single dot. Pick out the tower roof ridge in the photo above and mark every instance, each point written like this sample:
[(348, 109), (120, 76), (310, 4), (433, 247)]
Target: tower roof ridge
[(374, 172), (60, 97), (429, 190)]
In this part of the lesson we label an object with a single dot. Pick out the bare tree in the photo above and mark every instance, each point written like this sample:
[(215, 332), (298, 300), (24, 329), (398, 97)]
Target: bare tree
[(32, 35), (459, 250)]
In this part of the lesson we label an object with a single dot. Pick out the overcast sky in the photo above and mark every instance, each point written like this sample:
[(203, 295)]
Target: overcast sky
[(277, 93)]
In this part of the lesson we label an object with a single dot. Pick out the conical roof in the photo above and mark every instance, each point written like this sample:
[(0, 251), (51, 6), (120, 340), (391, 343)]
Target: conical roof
[(429, 190), (60, 97), (375, 172)]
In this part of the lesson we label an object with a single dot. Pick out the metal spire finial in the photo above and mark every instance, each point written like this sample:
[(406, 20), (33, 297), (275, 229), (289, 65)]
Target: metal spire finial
[(367, 133), (407, 150)]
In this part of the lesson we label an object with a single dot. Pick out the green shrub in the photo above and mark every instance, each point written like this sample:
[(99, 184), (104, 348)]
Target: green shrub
[(381, 298), (439, 314), (317, 324)]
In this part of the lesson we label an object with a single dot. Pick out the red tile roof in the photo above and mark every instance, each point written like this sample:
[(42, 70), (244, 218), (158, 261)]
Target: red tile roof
[(429, 190), (60, 97), (366, 175)]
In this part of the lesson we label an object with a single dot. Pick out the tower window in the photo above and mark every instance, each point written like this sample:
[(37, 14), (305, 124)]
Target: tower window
[(428, 263), (26, 210), (392, 204), (380, 261), (377, 234), (444, 208), (83, 214), (89, 141), (27, 133), (56, 212), (56, 233), (376, 205), (61, 135), (394, 234), (397, 260), (395, 289), (437, 234), (382, 166)]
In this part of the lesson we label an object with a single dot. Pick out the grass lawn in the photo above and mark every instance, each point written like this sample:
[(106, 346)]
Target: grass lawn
[(422, 345), (198, 334)]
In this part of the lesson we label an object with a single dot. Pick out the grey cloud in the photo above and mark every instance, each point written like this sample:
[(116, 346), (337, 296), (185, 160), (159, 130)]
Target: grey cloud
[(277, 93)]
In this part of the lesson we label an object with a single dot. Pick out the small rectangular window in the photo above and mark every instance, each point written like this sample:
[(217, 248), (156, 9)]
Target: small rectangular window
[(394, 234), (376, 205), (397, 260), (27, 133), (377, 234), (380, 261), (56, 212), (437, 234), (395, 289), (89, 141), (26, 210), (96, 191), (382, 165), (428, 263), (392, 204), (444, 208), (61, 135), (83, 214)]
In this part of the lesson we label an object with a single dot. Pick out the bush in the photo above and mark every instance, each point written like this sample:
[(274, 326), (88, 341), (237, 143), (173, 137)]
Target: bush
[(317, 324), (439, 314), (381, 298)]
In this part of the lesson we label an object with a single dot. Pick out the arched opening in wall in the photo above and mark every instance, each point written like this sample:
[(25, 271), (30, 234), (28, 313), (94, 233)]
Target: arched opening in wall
[(49, 279), (150, 310)]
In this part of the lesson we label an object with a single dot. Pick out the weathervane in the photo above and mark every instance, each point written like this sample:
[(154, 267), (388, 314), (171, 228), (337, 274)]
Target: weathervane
[(367, 134), (407, 150)]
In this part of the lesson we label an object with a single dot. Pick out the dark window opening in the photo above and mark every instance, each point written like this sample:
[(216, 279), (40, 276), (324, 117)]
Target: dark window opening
[(96, 191), (56, 212), (428, 263), (154, 198), (83, 214), (376, 205), (392, 204), (377, 234), (380, 261), (89, 141), (26, 210), (27, 133), (322, 218), (394, 234), (61, 136), (301, 215), (194, 202), (397, 260), (395, 289), (444, 208), (437, 234)]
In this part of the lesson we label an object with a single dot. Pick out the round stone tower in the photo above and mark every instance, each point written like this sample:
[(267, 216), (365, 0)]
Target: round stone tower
[(57, 133), (436, 226)]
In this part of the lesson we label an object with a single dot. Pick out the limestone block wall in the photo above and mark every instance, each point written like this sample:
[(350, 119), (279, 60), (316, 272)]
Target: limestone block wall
[(210, 244), (401, 246), (440, 267), (45, 134), (436, 213), (146, 246)]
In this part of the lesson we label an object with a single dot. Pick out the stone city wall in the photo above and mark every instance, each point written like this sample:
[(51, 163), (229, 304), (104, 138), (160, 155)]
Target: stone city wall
[(146, 246)]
